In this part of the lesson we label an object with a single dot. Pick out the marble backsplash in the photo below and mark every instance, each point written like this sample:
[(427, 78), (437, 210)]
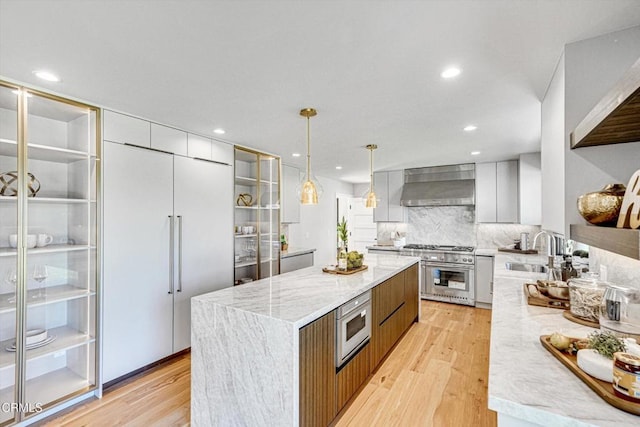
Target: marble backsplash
[(452, 225), (621, 270)]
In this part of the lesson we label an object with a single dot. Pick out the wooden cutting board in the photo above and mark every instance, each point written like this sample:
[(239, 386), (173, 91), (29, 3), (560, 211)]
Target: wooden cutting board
[(543, 300), (602, 388), (334, 271)]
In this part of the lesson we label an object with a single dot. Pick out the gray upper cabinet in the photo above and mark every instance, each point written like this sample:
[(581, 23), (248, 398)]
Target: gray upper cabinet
[(530, 182), (289, 203), (388, 189), (126, 129), (497, 192), (168, 139)]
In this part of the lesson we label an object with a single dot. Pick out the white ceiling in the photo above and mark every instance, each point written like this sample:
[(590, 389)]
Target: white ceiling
[(371, 69)]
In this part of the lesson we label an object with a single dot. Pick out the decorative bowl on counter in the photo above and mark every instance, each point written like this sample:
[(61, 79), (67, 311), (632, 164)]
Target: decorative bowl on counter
[(602, 207)]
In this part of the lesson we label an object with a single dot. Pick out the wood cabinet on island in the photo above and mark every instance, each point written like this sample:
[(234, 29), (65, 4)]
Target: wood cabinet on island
[(264, 353)]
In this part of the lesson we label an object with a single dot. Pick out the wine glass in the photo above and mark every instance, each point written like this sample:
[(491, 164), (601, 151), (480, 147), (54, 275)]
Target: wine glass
[(40, 274), (11, 278)]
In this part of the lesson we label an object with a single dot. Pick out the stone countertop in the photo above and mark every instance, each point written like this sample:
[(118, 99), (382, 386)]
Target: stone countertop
[(486, 251), (304, 295), (526, 382), (293, 251)]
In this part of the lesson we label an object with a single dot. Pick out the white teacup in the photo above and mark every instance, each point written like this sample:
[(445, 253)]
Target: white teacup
[(32, 240), (44, 240), (13, 240)]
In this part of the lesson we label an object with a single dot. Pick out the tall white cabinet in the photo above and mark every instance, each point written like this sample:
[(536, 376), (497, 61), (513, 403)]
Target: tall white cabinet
[(168, 225), (49, 251)]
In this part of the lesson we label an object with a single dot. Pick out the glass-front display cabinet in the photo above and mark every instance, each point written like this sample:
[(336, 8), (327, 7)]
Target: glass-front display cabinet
[(49, 240), (257, 215)]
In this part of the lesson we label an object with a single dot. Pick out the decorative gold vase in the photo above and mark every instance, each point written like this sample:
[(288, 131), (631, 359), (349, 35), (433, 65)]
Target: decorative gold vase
[(602, 207)]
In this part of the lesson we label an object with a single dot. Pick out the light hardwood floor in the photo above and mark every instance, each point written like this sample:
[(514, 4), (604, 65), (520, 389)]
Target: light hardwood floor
[(435, 376)]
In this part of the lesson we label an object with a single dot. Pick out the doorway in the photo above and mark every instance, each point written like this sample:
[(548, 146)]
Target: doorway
[(362, 230)]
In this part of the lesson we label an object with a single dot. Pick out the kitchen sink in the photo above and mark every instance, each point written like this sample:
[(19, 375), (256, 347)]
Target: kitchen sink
[(522, 266)]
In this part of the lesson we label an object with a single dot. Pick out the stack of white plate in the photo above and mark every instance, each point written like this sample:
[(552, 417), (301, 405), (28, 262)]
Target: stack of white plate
[(35, 338)]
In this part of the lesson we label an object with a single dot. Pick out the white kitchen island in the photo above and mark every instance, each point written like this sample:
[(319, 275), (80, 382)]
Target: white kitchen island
[(244, 341), (527, 385)]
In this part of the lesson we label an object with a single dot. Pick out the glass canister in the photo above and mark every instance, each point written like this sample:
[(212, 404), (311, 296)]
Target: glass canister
[(620, 311), (585, 297)]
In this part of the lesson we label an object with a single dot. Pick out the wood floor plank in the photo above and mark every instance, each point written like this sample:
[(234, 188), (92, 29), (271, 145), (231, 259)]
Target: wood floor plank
[(437, 375)]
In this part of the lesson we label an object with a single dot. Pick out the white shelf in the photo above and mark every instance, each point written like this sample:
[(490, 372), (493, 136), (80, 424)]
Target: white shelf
[(248, 207), (243, 236), (53, 295), (49, 387), (66, 339), (36, 199), (245, 180), (47, 249), (245, 263), (43, 152)]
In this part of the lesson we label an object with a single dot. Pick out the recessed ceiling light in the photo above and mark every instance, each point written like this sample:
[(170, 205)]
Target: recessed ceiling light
[(296, 154), (219, 131), (17, 92), (470, 128), (339, 167), (46, 75), (450, 72), (475, 153)]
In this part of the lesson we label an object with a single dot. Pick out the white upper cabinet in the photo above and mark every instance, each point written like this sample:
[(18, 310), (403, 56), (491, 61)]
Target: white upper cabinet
[(388, 189), (126, 129), (507, 191), (290, 204), (222, 152), (168, 139), (199, 147), (497, 192), (530, 183)]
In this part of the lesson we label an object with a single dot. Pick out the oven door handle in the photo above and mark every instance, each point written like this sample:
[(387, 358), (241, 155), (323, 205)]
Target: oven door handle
[(450, 267)]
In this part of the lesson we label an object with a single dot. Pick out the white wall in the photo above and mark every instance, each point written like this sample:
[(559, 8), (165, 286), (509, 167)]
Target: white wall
[(592, 68), (317, 227), (552, 153)]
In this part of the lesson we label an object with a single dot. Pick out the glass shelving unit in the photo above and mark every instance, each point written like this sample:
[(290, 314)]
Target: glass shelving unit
[(257, 218), (49, 289)]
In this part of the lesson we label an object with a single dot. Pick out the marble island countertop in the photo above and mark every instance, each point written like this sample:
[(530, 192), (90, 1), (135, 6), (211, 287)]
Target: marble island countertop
[(527, 385), (304, 295)]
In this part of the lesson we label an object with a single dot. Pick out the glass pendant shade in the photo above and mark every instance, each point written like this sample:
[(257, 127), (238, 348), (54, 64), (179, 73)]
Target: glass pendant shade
[(369, 198), (310, 189)]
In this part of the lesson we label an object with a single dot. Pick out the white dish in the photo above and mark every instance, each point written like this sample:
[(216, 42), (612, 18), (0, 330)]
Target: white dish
[(36, 345), (34, 336)]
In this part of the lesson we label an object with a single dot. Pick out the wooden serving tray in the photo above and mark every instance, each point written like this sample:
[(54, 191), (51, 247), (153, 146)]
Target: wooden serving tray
[(569, 316), (518, 251), (543, 300), (355, 270), (602, 388)]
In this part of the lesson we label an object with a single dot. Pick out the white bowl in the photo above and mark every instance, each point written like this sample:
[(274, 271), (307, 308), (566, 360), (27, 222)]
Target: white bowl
[(34, 336)]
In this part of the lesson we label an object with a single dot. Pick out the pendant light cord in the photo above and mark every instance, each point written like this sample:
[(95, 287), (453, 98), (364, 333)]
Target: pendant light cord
[(308, 151), (371, 170)]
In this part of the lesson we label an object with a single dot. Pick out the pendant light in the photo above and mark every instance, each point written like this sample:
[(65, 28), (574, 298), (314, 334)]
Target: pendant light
[(310, 189), (370, 200)]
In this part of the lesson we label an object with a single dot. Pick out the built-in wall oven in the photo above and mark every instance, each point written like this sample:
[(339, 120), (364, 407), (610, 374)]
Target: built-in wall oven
[(447, 272), (353, 327)]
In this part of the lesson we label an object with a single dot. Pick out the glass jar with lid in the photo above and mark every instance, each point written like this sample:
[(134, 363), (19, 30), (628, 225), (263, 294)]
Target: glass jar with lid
[(585, 297), (620, 311)]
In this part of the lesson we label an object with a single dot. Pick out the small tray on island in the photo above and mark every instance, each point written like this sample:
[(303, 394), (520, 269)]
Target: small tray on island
[(543, 300), (601, 388), (333, 270)]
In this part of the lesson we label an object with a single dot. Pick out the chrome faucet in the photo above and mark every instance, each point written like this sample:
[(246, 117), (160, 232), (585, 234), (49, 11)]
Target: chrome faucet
[(551, 246)]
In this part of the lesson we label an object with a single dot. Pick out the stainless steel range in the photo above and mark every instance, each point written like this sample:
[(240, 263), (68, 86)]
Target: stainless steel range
[(447, 272)]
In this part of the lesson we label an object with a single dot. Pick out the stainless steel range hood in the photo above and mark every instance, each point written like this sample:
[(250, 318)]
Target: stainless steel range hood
[(452, 185)]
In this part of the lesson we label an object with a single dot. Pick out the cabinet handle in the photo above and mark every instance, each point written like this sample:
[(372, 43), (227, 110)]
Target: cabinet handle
[(179, 253), (171, 255), (491, 283)]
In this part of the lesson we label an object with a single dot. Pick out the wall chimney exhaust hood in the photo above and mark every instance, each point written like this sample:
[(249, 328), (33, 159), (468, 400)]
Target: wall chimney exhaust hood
[(452, 185)]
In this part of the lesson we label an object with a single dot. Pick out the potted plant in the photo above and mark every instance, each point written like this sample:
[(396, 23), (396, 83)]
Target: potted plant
[(343, 233), (283, 243)]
